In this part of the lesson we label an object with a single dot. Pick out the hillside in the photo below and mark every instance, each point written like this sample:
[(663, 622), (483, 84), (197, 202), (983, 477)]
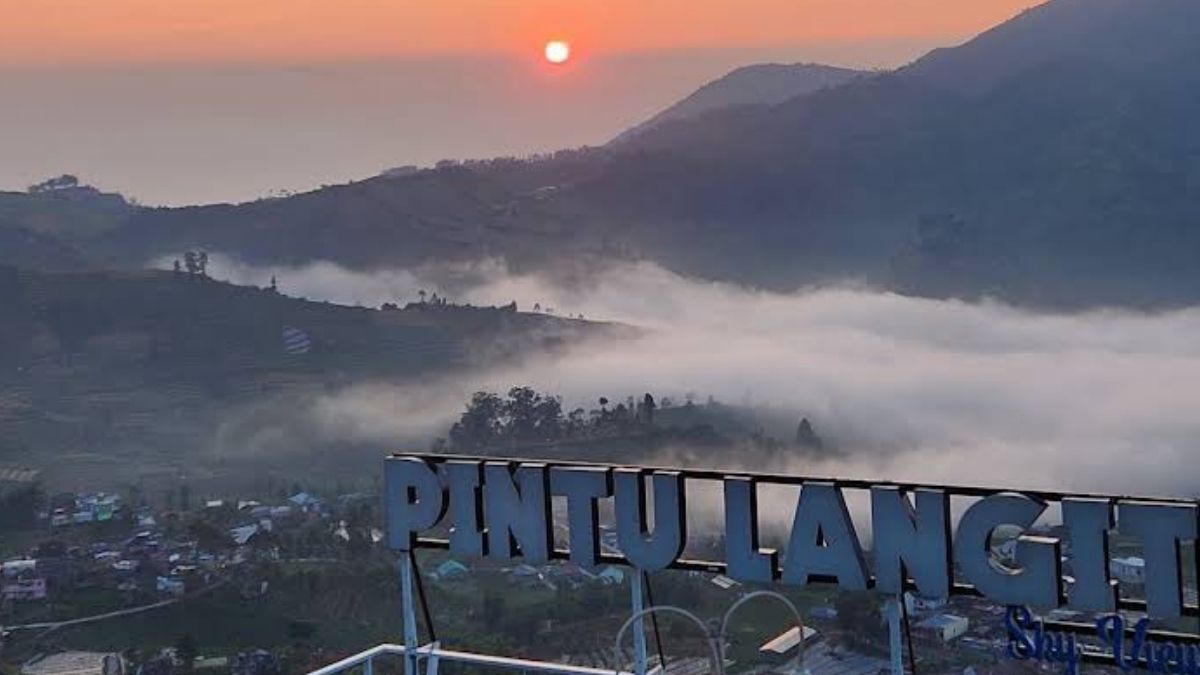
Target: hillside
[(24, 247), (101, 370), (1051, 161), (454, 213), (69, 211), (760, 84)]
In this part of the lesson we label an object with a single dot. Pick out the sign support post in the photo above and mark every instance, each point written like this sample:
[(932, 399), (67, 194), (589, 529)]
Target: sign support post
[(410, 615), (895, 643), (639, 626)]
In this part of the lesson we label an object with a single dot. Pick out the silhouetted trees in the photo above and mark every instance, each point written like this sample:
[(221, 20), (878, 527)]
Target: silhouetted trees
[(806, 436), (195, 263), (526, 416)]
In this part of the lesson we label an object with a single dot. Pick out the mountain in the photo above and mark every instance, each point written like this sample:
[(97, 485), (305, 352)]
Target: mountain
[(761, 84), (451, 213), (1053, 160)]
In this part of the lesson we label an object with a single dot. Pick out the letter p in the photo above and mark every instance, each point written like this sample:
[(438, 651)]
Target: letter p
[(415, 500)]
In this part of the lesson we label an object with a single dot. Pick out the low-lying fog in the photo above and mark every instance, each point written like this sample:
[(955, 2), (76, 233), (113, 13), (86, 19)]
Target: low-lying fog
[(930, 390)]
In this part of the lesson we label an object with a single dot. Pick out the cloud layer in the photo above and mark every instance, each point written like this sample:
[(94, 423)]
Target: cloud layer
[(929, 390)]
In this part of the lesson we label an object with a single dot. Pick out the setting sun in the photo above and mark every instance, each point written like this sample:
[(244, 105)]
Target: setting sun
[(558, 51)]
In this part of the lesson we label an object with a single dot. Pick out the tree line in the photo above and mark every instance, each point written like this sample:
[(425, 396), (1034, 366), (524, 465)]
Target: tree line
[(528, 416)]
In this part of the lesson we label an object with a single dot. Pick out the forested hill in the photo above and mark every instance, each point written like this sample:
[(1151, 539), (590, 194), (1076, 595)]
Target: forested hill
[(149, 367)]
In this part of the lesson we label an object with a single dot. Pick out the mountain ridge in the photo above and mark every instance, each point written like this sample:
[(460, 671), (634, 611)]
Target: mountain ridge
[(756, 84), (1050, 161)]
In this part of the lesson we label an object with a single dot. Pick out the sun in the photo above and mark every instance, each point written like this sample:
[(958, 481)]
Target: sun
[(557, 51)]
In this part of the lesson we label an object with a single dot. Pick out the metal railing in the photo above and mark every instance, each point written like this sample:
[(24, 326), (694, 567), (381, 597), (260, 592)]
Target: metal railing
[(432, 655)]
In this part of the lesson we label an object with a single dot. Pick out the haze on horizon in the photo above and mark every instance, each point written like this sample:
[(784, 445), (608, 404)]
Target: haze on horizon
[(194, 102)]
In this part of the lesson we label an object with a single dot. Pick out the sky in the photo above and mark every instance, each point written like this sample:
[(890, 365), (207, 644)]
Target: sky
[(195, 101)]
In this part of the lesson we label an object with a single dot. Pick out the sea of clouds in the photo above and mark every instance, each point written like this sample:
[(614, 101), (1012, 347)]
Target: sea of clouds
[(910, 388)]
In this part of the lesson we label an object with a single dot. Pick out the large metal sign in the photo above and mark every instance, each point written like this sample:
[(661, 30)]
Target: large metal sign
[(502, 509)]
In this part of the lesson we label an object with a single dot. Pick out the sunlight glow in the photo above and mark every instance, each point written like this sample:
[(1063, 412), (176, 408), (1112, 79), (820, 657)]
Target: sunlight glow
[(558, 51)]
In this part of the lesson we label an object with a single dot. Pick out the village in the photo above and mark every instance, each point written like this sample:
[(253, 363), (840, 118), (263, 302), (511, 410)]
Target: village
[(100, 561)]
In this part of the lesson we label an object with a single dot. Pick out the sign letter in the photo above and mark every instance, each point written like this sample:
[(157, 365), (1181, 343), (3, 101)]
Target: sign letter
[(917, 543), (744, 560), (1038, 580), (518, 513), (1087, 522), (415, 500), (466, 509), (582, 487), (823, 541), (646, 551), (1161, 528)]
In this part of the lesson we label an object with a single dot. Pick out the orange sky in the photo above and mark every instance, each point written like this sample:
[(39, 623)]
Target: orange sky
[(142, 31)]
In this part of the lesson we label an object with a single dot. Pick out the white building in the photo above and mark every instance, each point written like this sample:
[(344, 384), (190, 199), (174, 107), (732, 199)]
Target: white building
[(783, 646), (945, 627), (917, 604), (75, 663), (1130, 570)]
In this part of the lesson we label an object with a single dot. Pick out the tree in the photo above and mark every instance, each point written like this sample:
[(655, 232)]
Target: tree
[(648, 407), (858, 616), (479, 424), (209, 536), (521, 409), (301, 632), (63, 182), (186, 651), (806, 436)]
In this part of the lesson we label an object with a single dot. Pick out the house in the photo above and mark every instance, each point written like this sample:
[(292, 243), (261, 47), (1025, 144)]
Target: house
[(19, 566), (917, 604), (1130, 570), (242, 535), (24, 589), (572, 574), (611, 576), (525, 570), (257, 662), (76, 663), (449, 570), (824, 612), (220, 663), (943, 628), (278, 512), (170, 586), (785, 645), (305, 502), (723, 582)]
